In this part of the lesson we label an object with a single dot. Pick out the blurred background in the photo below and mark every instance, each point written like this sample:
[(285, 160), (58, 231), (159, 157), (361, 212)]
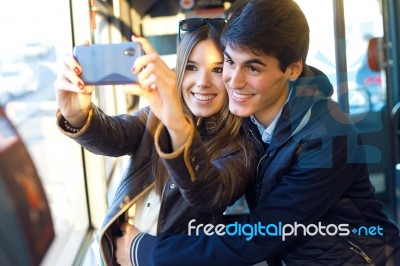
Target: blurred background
[(36, 34)]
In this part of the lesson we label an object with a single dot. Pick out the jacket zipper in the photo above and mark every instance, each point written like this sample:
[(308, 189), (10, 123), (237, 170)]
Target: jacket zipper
[(260, 162), (359, 251), (299, 127), (352, 246), (259, 143)]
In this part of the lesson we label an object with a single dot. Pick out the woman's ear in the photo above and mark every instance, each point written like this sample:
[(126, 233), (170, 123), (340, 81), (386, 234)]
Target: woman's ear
[(295, 70)]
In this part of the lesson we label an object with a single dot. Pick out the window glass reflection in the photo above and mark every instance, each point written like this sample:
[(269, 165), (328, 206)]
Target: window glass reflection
[(35, 35)]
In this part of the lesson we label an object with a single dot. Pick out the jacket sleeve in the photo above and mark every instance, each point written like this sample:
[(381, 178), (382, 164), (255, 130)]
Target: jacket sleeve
[(316, 179), (110, 135), (209, 185)]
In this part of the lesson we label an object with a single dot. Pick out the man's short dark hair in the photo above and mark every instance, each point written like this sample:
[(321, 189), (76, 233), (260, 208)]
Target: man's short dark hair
[(276, 28)]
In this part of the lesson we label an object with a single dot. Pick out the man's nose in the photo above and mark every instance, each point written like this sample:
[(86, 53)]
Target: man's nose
[(235, 79)]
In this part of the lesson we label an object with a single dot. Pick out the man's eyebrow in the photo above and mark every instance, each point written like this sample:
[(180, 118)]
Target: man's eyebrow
[(248, 62), (227, 55)]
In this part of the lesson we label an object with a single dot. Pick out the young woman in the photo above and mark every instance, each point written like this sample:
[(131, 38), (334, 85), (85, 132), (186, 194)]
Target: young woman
[(189, 156)]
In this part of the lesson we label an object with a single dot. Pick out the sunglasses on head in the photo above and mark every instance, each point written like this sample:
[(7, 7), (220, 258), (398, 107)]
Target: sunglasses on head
[(191, 24)]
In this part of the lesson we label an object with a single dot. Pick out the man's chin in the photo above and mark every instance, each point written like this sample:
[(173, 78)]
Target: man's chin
[(239, 111)]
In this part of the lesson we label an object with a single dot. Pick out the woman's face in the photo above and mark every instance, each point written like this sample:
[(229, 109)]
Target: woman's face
[(202, 87)]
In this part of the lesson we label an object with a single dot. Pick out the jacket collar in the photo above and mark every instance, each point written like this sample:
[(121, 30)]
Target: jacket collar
[(312, 87)]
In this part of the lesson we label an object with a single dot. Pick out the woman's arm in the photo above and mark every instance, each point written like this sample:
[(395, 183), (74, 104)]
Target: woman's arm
[(210, 185), (111, 135), (158, 84)]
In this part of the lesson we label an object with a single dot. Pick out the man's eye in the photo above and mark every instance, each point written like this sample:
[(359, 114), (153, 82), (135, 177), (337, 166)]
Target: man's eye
[(253, 69), (228, 61)]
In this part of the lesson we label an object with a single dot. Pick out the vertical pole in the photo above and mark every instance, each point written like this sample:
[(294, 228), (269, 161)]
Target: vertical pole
[(340, 49)]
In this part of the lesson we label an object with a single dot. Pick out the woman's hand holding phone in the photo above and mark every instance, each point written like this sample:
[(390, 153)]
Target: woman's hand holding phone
[(72, 95), (158, 84)]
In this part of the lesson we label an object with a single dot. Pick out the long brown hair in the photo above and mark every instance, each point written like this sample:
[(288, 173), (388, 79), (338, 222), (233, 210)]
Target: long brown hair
[(226, 137)]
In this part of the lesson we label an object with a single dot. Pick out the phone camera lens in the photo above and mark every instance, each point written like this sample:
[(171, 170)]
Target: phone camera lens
[(130, 51)]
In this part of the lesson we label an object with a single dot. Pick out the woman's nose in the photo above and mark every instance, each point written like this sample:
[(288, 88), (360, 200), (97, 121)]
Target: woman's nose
[(203, 80)]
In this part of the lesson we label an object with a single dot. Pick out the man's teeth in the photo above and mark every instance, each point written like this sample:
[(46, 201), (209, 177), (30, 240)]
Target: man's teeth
[(241, 96)]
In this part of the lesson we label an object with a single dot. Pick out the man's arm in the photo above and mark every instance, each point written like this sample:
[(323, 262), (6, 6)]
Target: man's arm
[(306, 192)]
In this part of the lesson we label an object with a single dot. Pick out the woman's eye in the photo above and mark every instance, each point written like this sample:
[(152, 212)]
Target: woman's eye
[(191, 68), (217, 69)]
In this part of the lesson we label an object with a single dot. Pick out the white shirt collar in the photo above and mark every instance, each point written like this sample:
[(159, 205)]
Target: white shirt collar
[(266, 133)]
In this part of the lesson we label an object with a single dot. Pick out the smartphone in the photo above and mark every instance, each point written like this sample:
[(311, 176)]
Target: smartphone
[(107, 64)]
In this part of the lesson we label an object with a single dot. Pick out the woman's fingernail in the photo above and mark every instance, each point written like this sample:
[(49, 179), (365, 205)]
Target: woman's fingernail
[(80, 85), (135, 35), (133, 69), (77, 71)]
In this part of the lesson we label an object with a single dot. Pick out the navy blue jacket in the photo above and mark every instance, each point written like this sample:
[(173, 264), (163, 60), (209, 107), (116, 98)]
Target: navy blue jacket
[(314, 176)]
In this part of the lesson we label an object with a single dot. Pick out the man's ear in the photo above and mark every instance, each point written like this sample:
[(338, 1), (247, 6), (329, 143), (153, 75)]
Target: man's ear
[(295, 69)]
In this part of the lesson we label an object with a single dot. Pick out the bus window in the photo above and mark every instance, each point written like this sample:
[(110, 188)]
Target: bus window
[(35, 35)]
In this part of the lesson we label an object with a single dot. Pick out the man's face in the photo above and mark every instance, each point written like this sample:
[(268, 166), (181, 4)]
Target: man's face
[(255, 84)]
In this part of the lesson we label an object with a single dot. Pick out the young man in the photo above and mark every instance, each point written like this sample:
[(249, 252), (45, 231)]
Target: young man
[(313, 203)]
